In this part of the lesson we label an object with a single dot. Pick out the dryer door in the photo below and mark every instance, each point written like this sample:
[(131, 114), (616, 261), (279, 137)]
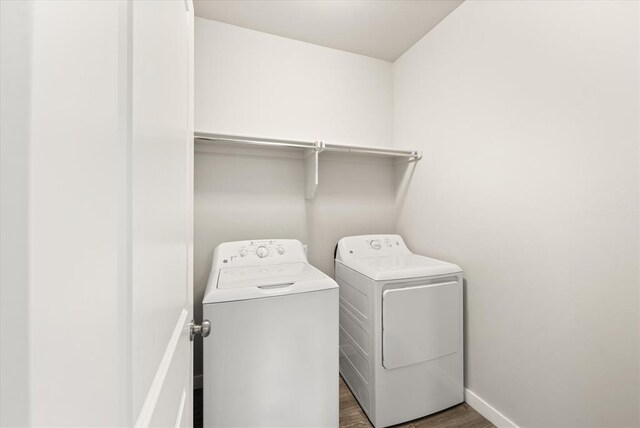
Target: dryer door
[(420, 323)]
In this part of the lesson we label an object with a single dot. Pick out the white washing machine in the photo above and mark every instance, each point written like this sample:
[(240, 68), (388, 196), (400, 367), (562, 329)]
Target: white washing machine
[(271, 359), (401, 350)]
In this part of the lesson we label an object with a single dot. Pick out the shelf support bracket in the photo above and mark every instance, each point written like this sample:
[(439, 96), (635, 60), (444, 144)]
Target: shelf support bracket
[(311, 180)]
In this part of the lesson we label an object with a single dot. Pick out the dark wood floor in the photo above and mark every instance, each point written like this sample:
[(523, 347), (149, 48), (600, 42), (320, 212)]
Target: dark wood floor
[(352, 416), (462, 415)]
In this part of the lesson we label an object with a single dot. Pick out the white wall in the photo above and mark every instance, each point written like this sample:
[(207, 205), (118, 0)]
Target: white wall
[(251, 83), (77, 340), (527, 113), (63, 353), (15, 63)]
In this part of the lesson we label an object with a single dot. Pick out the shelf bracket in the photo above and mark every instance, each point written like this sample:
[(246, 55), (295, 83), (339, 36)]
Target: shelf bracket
[(311, 176)]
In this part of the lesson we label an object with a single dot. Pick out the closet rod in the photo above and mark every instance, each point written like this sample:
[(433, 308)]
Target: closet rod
[(319, 146)]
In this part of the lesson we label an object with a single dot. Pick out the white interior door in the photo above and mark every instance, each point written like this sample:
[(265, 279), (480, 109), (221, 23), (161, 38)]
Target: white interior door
[(161, 175), (96, 213)]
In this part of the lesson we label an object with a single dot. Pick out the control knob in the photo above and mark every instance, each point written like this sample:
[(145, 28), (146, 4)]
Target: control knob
[(375, 244), (243, 252), (262, 251), (280, 250)]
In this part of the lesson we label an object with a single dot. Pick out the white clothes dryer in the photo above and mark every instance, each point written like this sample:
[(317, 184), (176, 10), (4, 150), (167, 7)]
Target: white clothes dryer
[(401, 329), (272, 356)]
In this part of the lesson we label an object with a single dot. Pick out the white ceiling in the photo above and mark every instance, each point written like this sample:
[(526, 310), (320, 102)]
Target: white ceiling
[(382, 29)]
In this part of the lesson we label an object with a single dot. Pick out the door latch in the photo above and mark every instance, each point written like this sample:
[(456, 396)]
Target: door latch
[(203, 329)]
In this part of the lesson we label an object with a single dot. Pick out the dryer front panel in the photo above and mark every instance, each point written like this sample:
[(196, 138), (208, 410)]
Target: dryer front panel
[(420, 323)]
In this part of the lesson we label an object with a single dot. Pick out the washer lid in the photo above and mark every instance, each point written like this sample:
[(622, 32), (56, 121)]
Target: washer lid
[(400, 267), (256, 276), (258, 282)]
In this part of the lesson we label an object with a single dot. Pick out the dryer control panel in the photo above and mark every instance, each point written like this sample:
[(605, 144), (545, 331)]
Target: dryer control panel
[(260, 252), (371, 246)]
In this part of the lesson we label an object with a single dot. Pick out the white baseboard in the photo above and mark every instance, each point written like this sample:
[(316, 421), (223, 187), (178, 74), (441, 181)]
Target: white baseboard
[(197, 382), (487, 410)]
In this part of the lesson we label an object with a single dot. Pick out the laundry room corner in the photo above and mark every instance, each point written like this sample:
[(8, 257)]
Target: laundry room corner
[(256, 84)]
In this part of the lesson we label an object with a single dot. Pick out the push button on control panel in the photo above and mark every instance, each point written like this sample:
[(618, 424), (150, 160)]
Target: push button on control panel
[(262, 252)]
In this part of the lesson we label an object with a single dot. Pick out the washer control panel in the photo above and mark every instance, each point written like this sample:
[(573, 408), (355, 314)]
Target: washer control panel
[(258, 252), (372, 246)]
